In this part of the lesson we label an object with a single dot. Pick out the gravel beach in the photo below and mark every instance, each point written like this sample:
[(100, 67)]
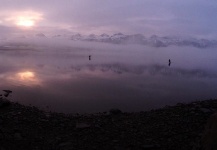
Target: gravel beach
[(177, 127)]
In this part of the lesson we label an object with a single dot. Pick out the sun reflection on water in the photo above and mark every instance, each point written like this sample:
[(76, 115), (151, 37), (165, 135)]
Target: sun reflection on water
[(25, 77)]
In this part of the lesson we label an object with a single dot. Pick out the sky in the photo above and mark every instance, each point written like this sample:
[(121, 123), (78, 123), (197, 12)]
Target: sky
[(195, 18)]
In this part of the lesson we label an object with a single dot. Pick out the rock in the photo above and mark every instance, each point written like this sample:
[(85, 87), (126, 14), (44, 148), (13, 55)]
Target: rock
[(1, 135), (4, 103), (2, 148), (7, 92), (205, 110), (18, 136), (82, 125), (1, 121), (47, 115), (115, 141), (150, 147), (115, 111), (44, 120), (65, 146), (209, 137), (119, 148)]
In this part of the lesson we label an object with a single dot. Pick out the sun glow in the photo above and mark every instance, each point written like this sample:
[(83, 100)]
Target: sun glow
[(27, 78), (25, 19), (25, 22), (27, 75)]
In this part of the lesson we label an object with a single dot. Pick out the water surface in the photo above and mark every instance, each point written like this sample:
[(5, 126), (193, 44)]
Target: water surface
[(128, 77)]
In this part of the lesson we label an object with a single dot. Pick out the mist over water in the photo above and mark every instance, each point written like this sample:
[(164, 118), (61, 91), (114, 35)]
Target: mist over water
[(129, 77)]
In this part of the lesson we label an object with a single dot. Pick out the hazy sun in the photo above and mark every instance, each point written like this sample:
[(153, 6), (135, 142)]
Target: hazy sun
[(25, 22), (25, 19)]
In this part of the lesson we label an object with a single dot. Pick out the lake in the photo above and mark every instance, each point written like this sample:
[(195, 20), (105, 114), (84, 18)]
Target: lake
[(60, 77)]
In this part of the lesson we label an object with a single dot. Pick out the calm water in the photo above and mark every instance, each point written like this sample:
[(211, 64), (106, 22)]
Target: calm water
[(128, 77)]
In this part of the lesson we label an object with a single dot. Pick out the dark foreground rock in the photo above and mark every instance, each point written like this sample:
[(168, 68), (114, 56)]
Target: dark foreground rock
[(4, 103), (209, 138), (177, 127)]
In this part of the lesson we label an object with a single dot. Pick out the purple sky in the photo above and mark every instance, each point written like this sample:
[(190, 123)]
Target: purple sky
[(162, 17)]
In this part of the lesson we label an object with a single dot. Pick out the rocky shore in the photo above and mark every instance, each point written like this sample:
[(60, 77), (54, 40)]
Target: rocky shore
[(178, 127)]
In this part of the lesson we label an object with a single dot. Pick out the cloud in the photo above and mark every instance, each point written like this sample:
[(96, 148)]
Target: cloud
[(148, 17)]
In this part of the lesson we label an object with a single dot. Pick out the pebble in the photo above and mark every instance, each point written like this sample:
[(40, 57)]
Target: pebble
[(147, 147), (17, 136), (82, 125), (1, 121), (205, 110), (66, 146), (1, 135)]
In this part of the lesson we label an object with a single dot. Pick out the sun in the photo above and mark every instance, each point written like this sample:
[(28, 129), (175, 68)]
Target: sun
[(24, 19), (25, 22)]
